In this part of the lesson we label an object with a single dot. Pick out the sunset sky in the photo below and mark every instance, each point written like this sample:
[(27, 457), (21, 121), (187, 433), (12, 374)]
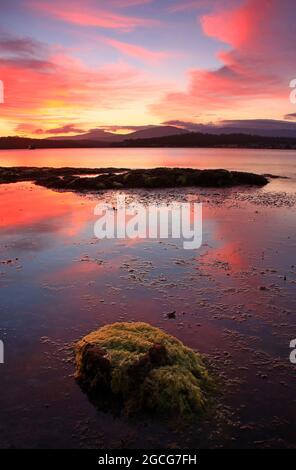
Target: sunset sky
[(70, 66)]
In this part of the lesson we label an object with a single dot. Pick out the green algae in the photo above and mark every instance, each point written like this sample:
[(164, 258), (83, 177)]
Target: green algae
[(134, 368)]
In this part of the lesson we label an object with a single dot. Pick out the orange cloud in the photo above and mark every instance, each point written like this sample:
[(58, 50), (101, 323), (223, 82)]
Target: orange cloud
[(53, 89)]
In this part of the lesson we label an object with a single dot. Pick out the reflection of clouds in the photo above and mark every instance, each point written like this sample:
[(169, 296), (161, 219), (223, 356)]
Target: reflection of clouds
[(34, 219), (32, 209), (233, 240), (52, 226), (23, 244)]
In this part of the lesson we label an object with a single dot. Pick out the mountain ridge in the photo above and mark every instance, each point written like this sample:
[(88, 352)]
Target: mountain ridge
[(188, 140), (101, 135)]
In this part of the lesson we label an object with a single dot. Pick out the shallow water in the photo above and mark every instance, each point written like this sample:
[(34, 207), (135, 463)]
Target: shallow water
[(58, 282), (260, 161)]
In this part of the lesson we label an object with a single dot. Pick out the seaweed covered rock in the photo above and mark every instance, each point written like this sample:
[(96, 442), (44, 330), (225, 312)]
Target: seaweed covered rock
[(96, 179), (134, 368)]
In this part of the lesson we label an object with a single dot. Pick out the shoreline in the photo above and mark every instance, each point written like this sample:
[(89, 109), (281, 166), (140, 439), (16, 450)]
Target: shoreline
[(143, 147)]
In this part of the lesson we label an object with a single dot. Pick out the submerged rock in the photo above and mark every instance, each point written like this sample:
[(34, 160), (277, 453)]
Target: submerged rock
[(132, 368)]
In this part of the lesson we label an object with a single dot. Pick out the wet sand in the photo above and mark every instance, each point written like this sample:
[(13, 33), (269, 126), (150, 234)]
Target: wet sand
[(234, 301)]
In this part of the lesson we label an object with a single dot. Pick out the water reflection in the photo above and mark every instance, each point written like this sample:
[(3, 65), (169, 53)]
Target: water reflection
[(279, 162), (74, 283)]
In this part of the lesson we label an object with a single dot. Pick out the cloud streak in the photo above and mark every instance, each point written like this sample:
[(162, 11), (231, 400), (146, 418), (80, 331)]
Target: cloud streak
[(90, 14), (138, 52)]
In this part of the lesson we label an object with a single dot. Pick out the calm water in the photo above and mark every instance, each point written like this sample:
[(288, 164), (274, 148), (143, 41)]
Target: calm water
[(57, 283), (261, 161)]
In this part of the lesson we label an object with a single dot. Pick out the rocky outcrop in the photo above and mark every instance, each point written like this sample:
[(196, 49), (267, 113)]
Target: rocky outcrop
[(89, 179), (135, 368)]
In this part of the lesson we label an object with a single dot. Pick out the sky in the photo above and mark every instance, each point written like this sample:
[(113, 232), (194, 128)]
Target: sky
[(71, 66)]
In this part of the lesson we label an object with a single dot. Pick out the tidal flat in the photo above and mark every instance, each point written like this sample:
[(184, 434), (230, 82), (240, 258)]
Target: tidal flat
[(233, 300)]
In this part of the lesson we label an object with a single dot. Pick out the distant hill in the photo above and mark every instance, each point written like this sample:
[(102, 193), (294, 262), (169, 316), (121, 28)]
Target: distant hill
[(278, 132), (262, 127), (104, 136), (24, 143), (256, 133), (182, 140), (156, 132), (95, 135), (200, 140)]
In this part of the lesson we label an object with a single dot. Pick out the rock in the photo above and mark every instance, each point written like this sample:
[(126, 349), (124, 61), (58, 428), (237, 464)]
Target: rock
[(135, 368), (158, 355), (171, 315), (96, 179), (95, 371)]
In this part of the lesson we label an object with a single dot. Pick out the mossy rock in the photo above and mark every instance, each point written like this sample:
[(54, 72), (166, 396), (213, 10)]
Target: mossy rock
[(100, 186), (182, 180), (135, 368), (117, 185)]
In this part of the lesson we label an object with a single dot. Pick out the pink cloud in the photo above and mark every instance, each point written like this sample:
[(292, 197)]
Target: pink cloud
[(25, 128), (138, 52), (16, 45), (187, 5), (52, 89), (89, 14), (233, 27), (258, 66), (203, 5), (33, 85), (129, 3)]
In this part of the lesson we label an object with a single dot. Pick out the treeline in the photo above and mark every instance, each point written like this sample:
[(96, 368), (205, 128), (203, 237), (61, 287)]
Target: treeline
[(210, 140), (24, 143), (191, 140)]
